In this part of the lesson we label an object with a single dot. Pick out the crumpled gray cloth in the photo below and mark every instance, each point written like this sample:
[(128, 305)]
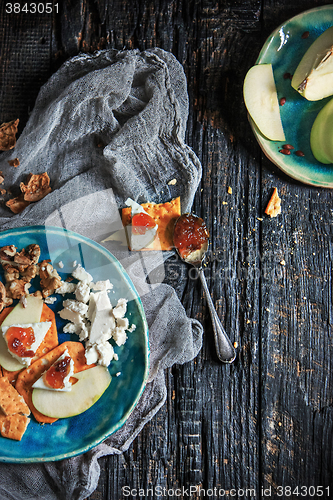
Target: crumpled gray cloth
[(107, 127)]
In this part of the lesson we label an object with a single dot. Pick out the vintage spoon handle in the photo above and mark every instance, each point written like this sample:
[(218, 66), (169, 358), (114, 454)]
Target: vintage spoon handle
[(225, 350)]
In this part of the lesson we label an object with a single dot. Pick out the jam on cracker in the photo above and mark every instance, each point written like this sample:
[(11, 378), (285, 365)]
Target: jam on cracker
[(19, 340)]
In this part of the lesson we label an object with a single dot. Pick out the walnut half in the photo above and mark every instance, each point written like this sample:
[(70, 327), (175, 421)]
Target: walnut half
[(49, 278)]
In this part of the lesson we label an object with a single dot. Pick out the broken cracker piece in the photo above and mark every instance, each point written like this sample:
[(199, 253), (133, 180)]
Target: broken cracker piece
[(13, 426), (36, 187), (11, 402), (274, 205), (8, 133)]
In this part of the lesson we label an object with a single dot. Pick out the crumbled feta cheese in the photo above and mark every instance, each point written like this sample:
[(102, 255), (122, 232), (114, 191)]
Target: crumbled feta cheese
[(123, 323), (81, 274), (91, 354), (100, 315), (132, 328), (66, 287), (72, 328), (50, 300), (75, 305), (82, 292), (120, 310), (102, 285), (74, 263), (106, 353), (61, 264), (119, 335), (73, 310)]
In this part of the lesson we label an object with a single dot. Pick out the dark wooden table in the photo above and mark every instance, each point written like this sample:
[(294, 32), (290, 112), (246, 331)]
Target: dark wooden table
[(265, 422)]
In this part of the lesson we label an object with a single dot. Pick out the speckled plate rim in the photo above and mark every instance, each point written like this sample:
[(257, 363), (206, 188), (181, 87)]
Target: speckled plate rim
[(73, 235), (310, 172)]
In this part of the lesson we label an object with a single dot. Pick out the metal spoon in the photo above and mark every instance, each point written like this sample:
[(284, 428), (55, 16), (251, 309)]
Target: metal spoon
[(191, 242)]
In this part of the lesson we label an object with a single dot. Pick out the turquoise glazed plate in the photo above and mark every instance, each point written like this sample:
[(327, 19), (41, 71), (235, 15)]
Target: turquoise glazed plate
[(72, 436), (284, 49)]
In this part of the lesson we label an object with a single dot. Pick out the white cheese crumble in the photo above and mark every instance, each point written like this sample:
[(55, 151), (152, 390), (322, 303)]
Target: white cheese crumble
[(81, 274), (82, 291), (66, 287), (92, 317)]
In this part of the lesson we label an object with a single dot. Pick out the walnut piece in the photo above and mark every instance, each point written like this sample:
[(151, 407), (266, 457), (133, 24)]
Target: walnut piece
[(2, 295), (34, 252), (18, 204), (8, 133), (49, 278), (17, 288), (274, 205), (37, 186), (14, 163)]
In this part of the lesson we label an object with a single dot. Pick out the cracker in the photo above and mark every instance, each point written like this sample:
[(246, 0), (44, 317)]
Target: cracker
[(28, 377), (11, 401), (274, 205), (165, 216), (14, 426)]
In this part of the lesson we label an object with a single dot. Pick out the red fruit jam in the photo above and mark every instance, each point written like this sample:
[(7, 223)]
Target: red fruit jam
[(141, 223), (190, 234), (19, 340), (55, 375)]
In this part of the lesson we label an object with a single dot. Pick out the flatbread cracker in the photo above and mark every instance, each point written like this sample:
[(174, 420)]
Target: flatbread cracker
[(165, 216), (28, 377), (11, 402), (14, 426)]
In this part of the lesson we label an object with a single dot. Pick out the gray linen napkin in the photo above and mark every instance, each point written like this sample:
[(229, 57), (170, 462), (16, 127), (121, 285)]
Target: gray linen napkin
[(106, 127)]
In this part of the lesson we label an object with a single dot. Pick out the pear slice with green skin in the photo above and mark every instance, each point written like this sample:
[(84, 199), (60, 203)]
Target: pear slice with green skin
[(19, 315), (261, 101), (313, 77), (321, 136), (91, 384)]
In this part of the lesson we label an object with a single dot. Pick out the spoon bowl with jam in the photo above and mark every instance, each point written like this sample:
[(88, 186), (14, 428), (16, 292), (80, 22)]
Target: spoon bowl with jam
[(190, 239)]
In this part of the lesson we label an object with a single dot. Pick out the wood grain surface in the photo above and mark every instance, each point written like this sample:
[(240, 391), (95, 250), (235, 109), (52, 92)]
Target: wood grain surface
[(266, 420)]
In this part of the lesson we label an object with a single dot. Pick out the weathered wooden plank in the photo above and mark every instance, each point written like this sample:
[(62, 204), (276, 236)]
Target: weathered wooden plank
[(296, 325)]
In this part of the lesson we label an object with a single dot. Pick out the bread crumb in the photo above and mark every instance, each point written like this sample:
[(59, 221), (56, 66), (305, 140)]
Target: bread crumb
[(172, 182), (283, 262), (229, 190)]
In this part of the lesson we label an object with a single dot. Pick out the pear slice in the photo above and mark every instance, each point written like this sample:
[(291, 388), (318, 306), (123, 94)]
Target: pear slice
[(19, 315), (321, 137), (261, 101), (313, 77), (91, 384)]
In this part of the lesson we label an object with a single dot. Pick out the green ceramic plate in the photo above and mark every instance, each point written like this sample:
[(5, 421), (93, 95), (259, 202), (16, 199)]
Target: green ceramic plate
[(284, 49), (72, 436)]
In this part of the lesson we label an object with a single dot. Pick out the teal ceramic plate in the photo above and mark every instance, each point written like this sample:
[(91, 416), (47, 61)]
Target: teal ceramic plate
[(284, 49), (72, 436)]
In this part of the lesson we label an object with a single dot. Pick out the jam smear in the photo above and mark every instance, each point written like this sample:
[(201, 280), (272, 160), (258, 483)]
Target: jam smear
[(141, 223), (19, 340), (190, 233), (55, 375)]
